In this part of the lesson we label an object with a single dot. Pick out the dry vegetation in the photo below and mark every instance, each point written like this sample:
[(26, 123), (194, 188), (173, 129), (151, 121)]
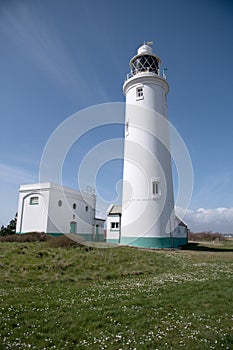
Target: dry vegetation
[(61, 241), (205, 236), (27, 237)]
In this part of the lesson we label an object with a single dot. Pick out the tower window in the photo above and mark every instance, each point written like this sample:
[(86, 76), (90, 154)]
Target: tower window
[(86, 208), (74, 206), (34, 200), (139, 93), (127, 128), (156, 188)]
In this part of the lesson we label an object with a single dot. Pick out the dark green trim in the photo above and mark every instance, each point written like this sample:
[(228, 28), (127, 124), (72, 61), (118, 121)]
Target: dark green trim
[(100, 237), (55, 234), (154, 242), (112, 241), (178, 242)]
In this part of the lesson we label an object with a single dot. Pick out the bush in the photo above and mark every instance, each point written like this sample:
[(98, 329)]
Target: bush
[(10, 229), (205, 236)]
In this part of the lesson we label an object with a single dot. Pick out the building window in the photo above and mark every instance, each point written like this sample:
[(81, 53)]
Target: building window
[(114, 225), (59, 203), (34, 200), (86, 208), (139, 93), (156, 188), (74, 206)]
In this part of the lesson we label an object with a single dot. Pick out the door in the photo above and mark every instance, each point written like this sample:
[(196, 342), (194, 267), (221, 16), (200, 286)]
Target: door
[(97, 233), (73, 226)]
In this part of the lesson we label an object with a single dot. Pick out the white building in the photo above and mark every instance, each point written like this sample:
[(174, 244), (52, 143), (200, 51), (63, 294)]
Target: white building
[(53, 209), (113, 224), (113, 232), (181, 233), (148, 218)]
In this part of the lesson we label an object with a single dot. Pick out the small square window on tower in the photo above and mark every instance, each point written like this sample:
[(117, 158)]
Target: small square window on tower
[(156, 191), (139, 93), (127, 128)]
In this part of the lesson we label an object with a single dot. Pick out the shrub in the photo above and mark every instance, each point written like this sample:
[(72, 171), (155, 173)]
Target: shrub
[(205, 236)]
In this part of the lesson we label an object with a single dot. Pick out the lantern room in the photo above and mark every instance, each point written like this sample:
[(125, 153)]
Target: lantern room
[(145, 61)]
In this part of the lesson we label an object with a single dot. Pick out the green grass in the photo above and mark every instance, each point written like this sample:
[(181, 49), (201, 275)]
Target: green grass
[(117, 298)]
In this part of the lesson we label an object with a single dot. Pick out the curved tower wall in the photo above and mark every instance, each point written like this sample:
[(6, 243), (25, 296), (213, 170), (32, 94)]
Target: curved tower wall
[(148, 205)]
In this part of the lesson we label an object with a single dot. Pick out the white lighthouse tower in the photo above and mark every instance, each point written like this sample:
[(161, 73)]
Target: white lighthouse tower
[(148, 218)]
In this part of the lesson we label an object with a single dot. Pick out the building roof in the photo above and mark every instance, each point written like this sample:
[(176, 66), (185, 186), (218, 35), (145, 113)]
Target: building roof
[(114, 210), (50, 186), (181, 222)]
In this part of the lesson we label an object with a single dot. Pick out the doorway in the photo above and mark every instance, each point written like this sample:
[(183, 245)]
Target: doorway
[(97, 233), (73, 226)]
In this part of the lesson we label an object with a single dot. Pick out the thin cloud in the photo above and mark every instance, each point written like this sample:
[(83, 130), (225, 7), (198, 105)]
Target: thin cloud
[(215, 191), (43, 43), (11, 175), (215, 220)]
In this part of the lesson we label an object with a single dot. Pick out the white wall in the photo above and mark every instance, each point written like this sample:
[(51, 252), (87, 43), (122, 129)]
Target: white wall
[(48, 216), (100, 230), (61, 216), (113, 233), (181, 231), (33, 217), (147, 160)]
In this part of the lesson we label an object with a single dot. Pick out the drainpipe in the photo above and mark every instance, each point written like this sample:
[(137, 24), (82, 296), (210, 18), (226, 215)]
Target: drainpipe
[(119, 228)]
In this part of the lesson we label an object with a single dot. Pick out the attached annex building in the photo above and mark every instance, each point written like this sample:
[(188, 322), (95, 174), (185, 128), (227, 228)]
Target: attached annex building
[(54, 209), (113, 231)]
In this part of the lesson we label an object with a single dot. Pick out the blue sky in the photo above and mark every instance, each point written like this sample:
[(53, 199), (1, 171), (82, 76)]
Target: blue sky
[(58, 57)]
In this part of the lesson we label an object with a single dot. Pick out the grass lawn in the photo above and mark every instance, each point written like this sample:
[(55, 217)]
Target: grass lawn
[(117, 298)]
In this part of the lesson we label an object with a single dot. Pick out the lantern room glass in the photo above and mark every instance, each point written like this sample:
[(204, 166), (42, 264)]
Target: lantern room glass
[(145, 63)]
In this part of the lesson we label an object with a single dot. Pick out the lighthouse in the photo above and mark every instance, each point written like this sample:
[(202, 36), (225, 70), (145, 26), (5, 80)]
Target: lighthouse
[(147, 218)]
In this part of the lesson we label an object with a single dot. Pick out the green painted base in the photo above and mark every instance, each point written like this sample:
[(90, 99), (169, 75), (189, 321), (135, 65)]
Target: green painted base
[(55, 234), (115, 241), (154, 242), (100, 238)]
